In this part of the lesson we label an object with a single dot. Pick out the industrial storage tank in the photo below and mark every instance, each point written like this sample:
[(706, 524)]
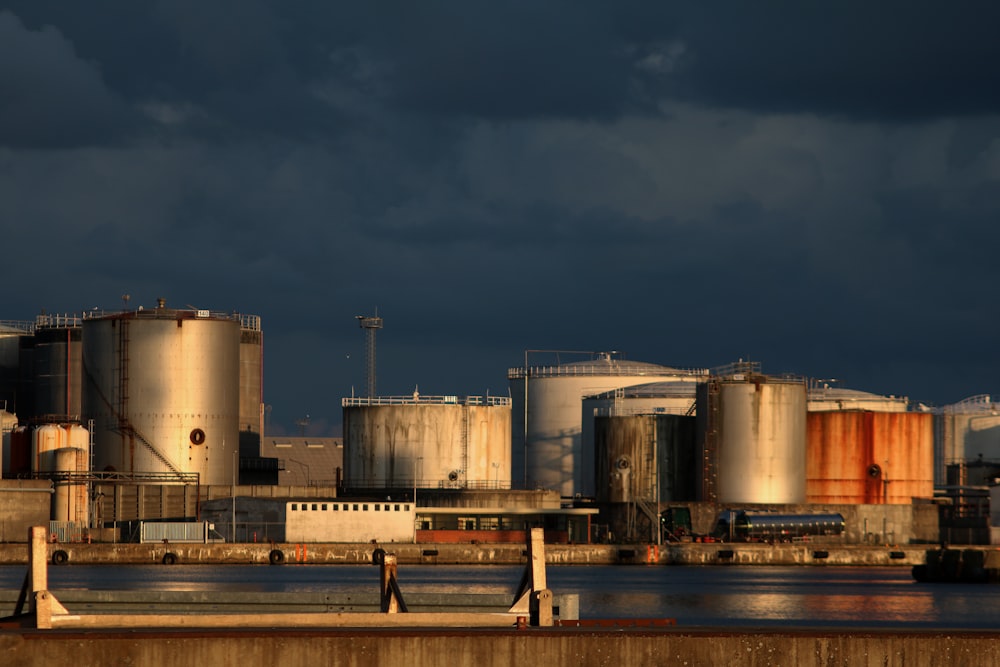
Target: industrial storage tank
[(868, 457), (251, 385), (163, 388), (70, 501), (8, 422), (418, 441), (752, 437), (48, 439), (654, 398), (15, 337), (547, 443), (964, 432), (648, 458), (56, 366), (17, 458)]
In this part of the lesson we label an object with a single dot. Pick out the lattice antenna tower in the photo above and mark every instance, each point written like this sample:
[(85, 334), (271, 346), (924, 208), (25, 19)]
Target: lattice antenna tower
[(371, 324)]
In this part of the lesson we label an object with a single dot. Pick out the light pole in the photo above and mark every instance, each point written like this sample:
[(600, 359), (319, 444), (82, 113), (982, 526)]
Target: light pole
[(236, 470)]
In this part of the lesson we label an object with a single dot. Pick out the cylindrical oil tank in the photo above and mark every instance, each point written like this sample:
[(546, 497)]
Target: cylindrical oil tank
[(867, 457), (966, 431), (18, 465), (752, 435), (645, 458), (654, 398), (163, 389), (547, 443), (426, 442), (49, 439), (8, 422), (57, 368), (251, 384), (15, 339), (70, 501)]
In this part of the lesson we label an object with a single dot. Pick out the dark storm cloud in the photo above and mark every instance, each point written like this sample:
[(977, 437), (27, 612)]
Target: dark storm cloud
[(814, 187), (51, 97)]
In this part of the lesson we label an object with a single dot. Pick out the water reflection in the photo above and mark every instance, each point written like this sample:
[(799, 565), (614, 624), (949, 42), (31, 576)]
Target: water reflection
[(694, 596)]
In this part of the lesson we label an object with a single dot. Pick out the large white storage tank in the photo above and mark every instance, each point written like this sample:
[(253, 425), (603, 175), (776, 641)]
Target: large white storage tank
[(964, 432), (427, 442), (547, 438), (752, 431), (163, 389)]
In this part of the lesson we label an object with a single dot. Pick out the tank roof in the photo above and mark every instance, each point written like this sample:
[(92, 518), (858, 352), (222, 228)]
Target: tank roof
[(972, 405), (603, 365), (15, 327), (668, 388), (842, 394)]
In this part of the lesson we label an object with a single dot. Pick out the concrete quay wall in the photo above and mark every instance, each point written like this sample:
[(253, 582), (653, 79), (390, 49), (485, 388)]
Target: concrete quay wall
[(569, 647), (471, 554)]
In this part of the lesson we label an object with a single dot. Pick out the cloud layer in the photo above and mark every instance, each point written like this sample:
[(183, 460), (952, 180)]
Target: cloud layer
[(815, 188)]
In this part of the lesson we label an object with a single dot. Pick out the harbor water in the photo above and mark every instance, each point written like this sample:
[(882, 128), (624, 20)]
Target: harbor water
[(697, 597)]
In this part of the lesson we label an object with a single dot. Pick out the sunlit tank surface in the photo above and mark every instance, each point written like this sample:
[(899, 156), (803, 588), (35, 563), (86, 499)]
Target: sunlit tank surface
[(70, 502), (753, 431), (57, 369), (547, 442), (866, 457), (427, 442), (966, 431), (162, 386), (645, 457), (48, 439)]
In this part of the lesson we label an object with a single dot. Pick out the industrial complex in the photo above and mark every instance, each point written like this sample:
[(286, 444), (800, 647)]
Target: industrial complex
[(148, 424)]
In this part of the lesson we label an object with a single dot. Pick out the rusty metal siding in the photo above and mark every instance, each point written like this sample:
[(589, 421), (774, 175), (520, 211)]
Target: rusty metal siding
[(863, 457), (626, 448)]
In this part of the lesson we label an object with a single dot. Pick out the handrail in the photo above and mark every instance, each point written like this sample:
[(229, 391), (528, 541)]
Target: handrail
[(599, 369), (354, 401)]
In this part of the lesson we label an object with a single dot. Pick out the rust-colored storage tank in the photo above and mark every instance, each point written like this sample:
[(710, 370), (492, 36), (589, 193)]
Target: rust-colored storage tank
[(866, 457), (19, 465)]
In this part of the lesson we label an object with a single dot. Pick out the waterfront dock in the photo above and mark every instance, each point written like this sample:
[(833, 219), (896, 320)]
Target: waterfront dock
[(804, 553)]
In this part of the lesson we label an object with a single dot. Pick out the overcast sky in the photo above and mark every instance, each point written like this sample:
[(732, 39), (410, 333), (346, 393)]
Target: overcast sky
[(814, 186)]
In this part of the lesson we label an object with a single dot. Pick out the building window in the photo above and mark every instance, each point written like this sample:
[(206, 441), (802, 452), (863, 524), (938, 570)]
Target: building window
[(314, 507), (355, 507), (335, 507), (377, 508), (295, 507), (324, 507), (386, 508), (364, 507)]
